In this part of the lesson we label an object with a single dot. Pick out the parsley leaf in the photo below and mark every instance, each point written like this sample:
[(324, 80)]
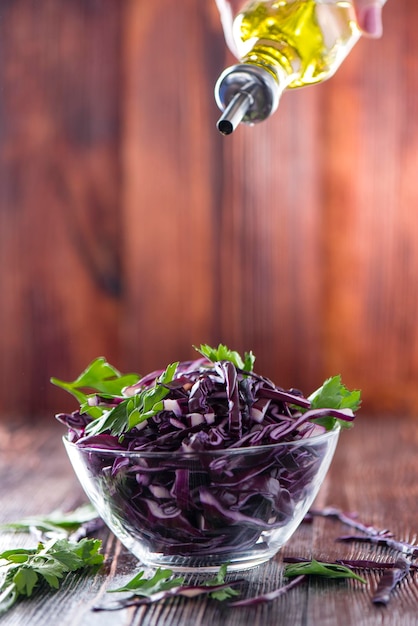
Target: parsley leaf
[(136, 409), (99, 377), (316, 568), (333, 394), (22, 570), (225, 593), (57, 523), (162, 580), (222, 353), (163, 585)]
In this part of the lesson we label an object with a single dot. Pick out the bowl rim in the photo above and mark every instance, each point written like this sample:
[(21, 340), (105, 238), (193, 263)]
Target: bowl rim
[(297, 443)]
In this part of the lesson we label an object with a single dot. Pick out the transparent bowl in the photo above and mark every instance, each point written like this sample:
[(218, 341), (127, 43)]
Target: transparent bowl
[(196, 511)]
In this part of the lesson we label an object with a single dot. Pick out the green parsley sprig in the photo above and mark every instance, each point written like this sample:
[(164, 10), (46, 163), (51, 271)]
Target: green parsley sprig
[(163, 584), (317, 568), (99, 377), (223, 353), (135, 409), (55, 525), (100, 383), (333, 394), (22, 570)]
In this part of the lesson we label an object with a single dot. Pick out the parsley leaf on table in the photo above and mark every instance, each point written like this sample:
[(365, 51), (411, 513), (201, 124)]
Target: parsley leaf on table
[(317, 568), (22, 569), (56, 524), (163, 585), (162, 580), (225, 593), (299, 572)]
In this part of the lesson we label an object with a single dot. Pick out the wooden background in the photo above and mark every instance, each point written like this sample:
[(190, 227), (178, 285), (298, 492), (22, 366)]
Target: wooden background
[(130, 228)]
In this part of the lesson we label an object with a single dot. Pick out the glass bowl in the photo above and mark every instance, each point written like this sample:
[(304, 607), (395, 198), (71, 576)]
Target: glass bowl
[(194, 511)]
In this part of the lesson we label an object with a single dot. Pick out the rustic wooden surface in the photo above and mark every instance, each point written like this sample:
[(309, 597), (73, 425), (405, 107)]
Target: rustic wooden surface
[(374, 472), (59, 192), (129, 227)]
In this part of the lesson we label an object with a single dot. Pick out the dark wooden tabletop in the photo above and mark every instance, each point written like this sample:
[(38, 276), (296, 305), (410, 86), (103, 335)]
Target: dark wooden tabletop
[(374, 473)]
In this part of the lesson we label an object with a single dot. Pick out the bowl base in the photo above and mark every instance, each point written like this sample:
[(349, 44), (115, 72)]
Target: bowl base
[(203, 564)]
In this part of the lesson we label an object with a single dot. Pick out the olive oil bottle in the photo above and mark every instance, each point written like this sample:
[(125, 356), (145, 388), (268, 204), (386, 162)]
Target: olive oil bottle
[(282, 44)]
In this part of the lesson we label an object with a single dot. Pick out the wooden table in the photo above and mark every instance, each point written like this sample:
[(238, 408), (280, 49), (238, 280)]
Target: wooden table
[(374, 472)]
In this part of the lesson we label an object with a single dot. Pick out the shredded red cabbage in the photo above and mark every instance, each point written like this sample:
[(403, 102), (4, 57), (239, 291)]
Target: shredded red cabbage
[(210, 406)]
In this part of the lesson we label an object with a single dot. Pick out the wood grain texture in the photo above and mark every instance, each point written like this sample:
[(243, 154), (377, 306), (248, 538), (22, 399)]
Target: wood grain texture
[(170, 151), (370, 274), (368, 475), (59, 194), (130, 228)]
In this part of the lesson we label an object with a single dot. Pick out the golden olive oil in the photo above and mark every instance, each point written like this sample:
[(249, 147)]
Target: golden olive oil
[(282, 44), (302, 42)]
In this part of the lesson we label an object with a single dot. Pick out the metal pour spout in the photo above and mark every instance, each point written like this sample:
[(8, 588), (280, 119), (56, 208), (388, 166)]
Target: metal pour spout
[(245, 93), (234, 112)]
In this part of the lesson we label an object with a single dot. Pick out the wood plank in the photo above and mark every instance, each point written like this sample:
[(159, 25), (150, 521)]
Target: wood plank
[(370, 259), (59, 193), (171, 165)]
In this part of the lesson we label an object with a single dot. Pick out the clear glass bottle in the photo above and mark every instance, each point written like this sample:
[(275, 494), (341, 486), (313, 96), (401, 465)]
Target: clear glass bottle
[(282, 44)]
